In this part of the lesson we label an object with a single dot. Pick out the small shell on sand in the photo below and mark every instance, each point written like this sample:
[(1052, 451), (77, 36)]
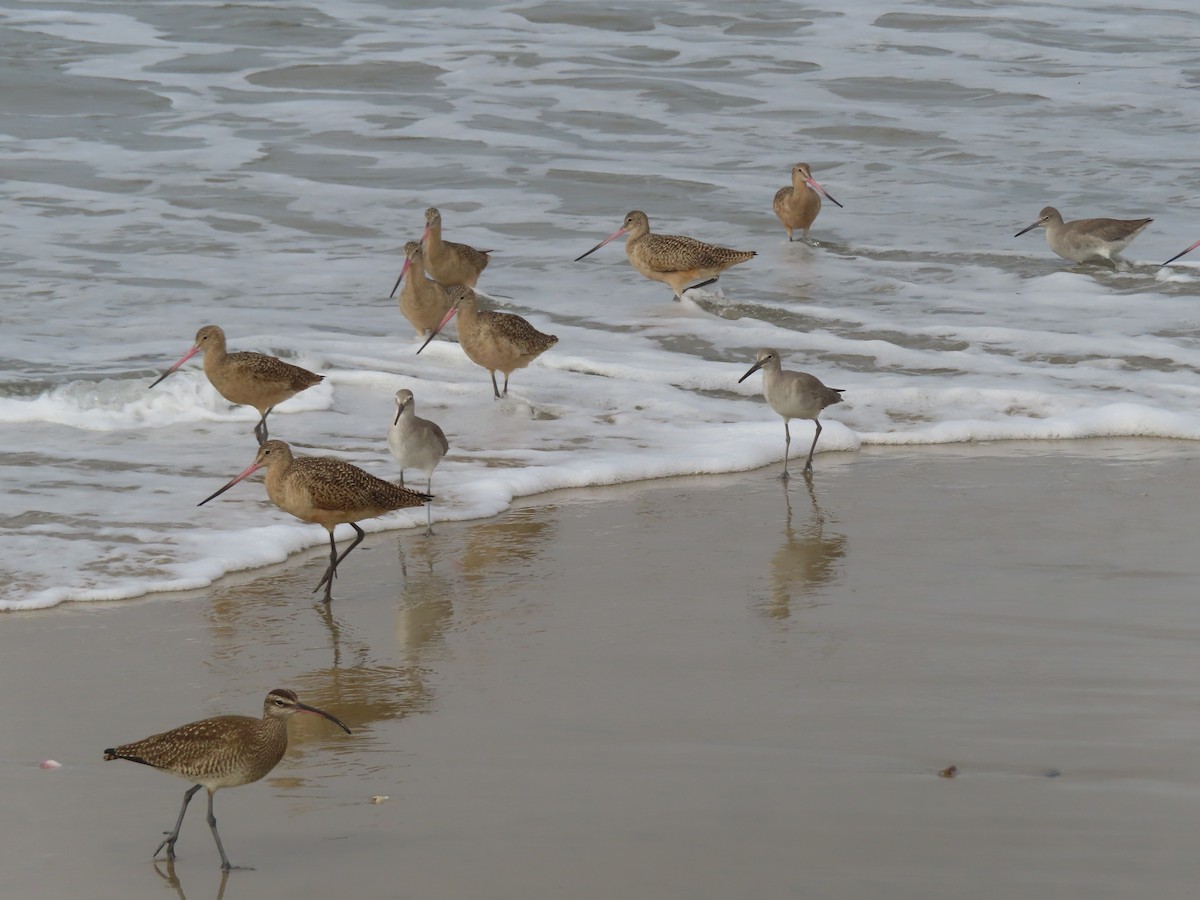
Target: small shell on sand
[(50, 764)]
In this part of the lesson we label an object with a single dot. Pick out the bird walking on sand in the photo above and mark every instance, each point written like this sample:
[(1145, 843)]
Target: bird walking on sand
[(671, 258), (497, 341), (1182, 253), (794, 395), (417, 444), (799, 205), (1086, 240), (447, 262), (224, 751), (423, 301), (327, 491), (246, 378)]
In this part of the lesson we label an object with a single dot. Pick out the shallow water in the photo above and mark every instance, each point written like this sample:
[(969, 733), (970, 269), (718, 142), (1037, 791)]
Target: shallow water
[(260, 167)]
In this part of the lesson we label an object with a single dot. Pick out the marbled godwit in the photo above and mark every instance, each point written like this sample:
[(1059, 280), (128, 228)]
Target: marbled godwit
[(798, 206), (497, 341), (423, 301), (671, 258), (327, 491), (225, 751), (446, 261), (1182, 253), (251, 379), (794, 395), (1086, 240), (417, 444)]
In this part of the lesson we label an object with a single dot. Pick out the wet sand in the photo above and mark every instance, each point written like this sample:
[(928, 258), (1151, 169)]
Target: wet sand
[(689, 688)]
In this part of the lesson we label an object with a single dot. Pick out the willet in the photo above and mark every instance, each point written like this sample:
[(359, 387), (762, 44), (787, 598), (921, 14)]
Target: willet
[(225, 751), (794, 395), (423, 301), (250, 379), (1086, 240), (497, 341), (417, 444), (798, 205), (327, 491), (1182, 253), (671, 258), (447, 262)]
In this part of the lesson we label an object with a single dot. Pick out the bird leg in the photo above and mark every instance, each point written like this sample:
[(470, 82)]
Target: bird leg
[(712, 280), (787, 446), (808, 465), (429, 508), (173, 836), (496, 388), (505, 384), (212, 823), (260, 430), (335, 560)]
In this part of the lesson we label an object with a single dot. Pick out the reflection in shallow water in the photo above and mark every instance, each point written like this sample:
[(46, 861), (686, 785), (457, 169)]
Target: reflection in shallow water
[(173, 882), (807, 559), (425, 606), (507, 546)]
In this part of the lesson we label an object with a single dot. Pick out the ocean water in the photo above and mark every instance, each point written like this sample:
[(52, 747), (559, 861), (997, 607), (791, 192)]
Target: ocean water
[(260, 166)]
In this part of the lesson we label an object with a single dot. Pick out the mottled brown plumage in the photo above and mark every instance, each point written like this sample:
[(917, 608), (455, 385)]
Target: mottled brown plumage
[(246, 378), (447, 262), (671, 258), (799, 204), (224, 751), (423, 301), (327, 491), (497, 341), (1086, 240)]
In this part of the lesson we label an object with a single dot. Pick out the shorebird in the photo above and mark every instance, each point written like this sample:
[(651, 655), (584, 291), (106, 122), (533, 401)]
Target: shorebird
[(1182, 253), (250, 379), (446, 261), (1086, 240), (327, 491), (798, 205), (417, 444), (423, 301), (224, 751), (671, 258), (497, 341), (794, 395)]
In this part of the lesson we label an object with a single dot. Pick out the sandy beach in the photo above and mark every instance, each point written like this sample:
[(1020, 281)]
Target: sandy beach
[(688, 688)]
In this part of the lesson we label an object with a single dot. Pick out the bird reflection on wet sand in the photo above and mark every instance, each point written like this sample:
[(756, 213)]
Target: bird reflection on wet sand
[(807, 560), (173, 882)]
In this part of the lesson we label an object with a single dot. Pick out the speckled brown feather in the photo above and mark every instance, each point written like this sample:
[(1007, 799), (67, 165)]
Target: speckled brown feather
[(423, 301), (675, 259), (327, 490), (448, 262), (224, 751), (500, 342), (252, 379), (797, 205)]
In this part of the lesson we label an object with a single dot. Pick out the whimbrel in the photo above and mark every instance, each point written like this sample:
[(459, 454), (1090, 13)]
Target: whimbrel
[(251, 379), (327, 491), (423, 301), (671, 258), (1085, 240), (224, 751), (798, 205), (417, 444), (794, 395), (446, 261), (1182, 253), (497, 341)]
